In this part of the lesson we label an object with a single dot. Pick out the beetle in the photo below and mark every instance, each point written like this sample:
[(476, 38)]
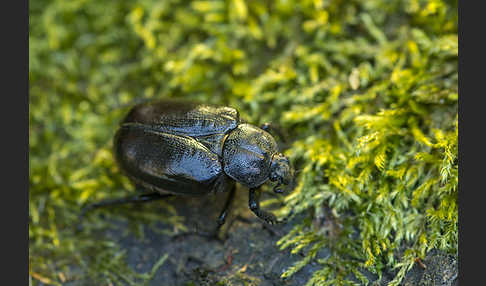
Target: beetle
[(176, 147)]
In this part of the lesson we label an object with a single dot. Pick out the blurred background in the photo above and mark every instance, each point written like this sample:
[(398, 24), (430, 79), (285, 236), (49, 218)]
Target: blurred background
[(366, 90)]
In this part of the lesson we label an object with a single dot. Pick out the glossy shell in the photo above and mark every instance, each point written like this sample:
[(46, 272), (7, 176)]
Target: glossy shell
[(247, 154), (189, 148), (206, 123), (175, 147)]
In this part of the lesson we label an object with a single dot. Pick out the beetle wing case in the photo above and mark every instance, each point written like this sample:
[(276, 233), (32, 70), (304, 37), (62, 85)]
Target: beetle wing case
[(185, 118), (166, 162), (247, 155), (208, 124), (175, 146)]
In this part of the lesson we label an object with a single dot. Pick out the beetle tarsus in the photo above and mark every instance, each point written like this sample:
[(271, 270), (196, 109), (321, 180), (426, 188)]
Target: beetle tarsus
[(286, 219), (267, 217), (277, 188), (254, 204)]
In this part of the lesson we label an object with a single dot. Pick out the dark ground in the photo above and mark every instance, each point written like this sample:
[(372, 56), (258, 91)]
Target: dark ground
[(249, 255)]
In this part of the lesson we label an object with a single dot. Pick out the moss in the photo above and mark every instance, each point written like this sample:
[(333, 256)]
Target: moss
[(366, 89)]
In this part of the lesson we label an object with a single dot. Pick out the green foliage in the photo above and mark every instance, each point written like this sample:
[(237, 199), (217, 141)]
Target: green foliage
[(367, 90)]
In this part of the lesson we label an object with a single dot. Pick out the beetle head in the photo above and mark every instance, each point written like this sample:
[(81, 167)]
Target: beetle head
[(280, 171)]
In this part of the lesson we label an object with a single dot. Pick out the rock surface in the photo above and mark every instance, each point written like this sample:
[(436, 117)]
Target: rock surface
[(248, 256), (441, 269)]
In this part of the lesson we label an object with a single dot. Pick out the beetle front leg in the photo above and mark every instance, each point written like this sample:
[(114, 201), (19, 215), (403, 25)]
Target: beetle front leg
[(254, 204), (277, 188)]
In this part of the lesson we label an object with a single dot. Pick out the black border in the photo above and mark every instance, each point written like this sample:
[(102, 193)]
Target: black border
[(14, 117), (471, 70)]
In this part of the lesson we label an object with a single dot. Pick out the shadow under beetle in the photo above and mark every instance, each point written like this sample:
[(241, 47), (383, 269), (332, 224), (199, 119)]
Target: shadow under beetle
[(172, 147)]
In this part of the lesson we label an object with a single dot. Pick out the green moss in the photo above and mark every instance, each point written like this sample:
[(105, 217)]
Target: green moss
[(367, 89)]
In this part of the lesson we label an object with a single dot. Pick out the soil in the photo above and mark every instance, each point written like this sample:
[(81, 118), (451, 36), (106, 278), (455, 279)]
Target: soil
[(248, 256)]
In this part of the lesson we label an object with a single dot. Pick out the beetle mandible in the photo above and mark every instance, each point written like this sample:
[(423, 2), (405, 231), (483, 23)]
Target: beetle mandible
[(174, 147)]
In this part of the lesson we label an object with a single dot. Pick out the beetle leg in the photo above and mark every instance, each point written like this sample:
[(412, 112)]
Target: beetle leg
[(140, 198), (224, 211), (277, 188), (221, 220), (254, 204)]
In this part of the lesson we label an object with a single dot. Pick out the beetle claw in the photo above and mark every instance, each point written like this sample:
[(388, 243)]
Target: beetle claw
[(277, 188), (286, 219), (271, 219)]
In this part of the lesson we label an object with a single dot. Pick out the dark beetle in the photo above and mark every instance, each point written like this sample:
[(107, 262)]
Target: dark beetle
[(180, 147)]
